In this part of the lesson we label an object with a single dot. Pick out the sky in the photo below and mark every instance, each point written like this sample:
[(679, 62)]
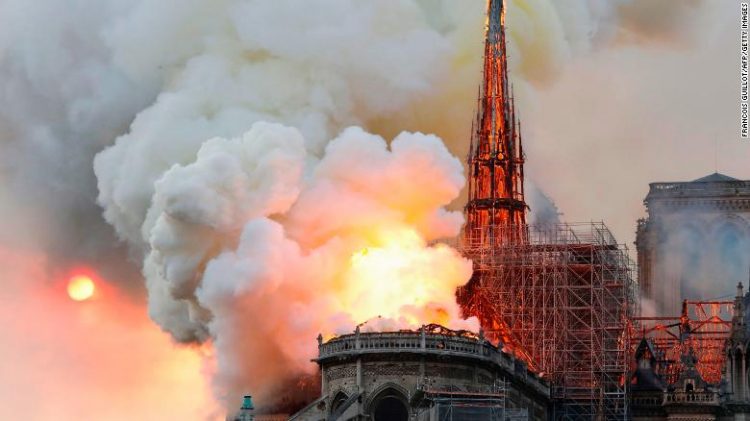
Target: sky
[(97, 359), (105, 106), (645, 114)]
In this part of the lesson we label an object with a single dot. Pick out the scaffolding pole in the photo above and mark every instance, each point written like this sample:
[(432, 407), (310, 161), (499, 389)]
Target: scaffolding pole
[(560, 300), (451, 403)]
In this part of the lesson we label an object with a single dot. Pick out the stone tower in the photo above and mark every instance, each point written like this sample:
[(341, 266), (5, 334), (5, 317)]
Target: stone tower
[(695, 243)]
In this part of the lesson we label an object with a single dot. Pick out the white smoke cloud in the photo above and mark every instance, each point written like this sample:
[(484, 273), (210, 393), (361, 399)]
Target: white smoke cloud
[(199, 209), (257, 244), (316, 68), (308, 68), (75, 74)]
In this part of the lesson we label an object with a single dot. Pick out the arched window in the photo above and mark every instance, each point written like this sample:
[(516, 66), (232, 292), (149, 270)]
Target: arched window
[(390, 405), (338, 401)]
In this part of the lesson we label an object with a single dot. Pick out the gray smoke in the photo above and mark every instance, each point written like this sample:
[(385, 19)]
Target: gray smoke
[(707, 256), (544, 212)]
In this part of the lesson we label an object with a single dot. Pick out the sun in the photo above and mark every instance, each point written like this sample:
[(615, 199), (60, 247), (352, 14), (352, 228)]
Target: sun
[(81, 287)]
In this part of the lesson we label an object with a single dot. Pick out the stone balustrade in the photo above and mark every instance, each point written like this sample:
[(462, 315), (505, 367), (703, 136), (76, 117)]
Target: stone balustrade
[(440, 342), (698, 398), (695, 189)]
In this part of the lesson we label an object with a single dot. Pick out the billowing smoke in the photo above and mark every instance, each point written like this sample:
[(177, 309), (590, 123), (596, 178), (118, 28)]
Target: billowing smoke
[(319, 250), (261, 246), (252, 235), (545, 212), (704, 254), (74, 76), (279, 225)]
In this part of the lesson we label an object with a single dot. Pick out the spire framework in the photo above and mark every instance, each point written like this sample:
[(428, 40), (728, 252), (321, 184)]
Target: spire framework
[(495, 161)]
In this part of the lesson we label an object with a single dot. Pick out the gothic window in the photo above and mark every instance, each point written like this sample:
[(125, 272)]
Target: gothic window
[(338, 401), (390, 405)]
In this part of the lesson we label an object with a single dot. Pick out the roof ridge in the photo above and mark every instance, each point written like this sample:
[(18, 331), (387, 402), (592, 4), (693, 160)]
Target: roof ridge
[(716, 176)]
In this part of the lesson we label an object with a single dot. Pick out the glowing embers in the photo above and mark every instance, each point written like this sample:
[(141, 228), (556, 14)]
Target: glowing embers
[(81, 287), (702, 328)]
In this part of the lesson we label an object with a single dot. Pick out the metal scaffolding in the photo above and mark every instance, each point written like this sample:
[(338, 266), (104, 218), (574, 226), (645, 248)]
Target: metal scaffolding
[(454, 404), (561, 301)]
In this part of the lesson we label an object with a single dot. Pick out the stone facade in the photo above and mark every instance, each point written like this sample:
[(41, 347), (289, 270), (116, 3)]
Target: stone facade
[(737, 369), (696, 235), (423, 375)]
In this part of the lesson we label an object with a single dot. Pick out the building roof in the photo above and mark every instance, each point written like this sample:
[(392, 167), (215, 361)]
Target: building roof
[(704, 190), (714, 178)]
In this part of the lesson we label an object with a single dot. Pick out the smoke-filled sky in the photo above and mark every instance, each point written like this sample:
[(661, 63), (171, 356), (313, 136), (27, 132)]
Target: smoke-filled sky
[(247, 173)]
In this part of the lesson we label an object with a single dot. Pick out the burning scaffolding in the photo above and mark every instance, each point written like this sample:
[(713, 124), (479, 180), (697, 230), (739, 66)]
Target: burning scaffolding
[(558, 296), (701, 329), (561, 301)]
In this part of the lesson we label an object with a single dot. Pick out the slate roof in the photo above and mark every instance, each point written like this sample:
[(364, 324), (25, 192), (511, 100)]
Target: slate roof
[(715, 177)]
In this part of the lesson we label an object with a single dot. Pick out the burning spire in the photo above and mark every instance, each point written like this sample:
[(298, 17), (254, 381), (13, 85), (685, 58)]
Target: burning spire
[(495, 161), (496, 209)]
